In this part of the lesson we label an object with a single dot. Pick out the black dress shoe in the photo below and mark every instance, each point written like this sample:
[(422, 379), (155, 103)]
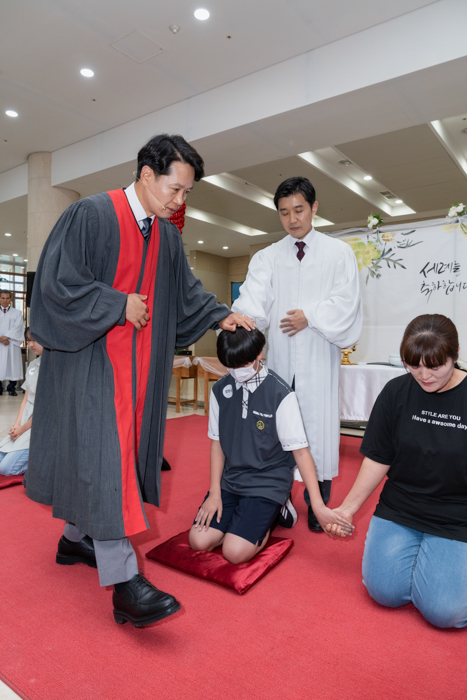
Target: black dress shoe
[(165, 465), (139, 602), (313, 523), (76, 552), (13, 393)]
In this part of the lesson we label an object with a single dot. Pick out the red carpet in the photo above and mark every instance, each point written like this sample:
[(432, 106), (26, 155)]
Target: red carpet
[(308, 630)]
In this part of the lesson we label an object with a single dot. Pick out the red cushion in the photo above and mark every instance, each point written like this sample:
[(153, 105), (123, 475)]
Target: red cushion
[(10, 480), (212, 566)]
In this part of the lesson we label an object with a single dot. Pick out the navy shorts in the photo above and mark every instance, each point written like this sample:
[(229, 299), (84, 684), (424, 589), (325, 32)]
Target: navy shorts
[(249, 517)]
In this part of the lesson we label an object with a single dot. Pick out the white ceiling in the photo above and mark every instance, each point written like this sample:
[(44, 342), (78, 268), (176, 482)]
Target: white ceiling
[(44, 43)]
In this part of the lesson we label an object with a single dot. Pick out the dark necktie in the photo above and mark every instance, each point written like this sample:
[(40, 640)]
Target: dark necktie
[(300, 252), (146, 227)]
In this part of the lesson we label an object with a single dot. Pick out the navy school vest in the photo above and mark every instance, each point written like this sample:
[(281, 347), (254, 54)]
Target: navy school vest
[(255, 463)]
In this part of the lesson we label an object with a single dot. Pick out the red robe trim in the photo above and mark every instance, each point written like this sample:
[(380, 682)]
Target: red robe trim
[(120, 349)]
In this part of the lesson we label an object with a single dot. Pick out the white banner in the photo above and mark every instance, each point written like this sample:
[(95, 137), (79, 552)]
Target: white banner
[(405, 272)]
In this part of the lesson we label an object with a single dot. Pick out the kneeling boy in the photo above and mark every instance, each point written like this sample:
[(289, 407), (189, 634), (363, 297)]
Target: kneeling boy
[(257, 438)]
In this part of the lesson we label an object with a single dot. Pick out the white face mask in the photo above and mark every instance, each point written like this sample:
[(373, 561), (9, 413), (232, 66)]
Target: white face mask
[(243, 374)]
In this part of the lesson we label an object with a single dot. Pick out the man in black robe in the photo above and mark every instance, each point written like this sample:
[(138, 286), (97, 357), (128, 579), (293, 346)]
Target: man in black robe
[(113, 296)]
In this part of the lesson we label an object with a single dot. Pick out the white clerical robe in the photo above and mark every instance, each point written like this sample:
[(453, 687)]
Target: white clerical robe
[(11, 325), (325, 286)]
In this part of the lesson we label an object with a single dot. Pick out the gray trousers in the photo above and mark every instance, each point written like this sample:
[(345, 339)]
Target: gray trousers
[(116, 559)]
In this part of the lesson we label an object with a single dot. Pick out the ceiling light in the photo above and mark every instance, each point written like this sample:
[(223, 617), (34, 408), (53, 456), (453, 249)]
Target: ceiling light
[(7, 234), (87, 72), (398, 201), (174, 28), (225, 247), (15, 255), (345, 162), (200, 241), (25, 259), (11, 113), (368, 177), (201, 14)]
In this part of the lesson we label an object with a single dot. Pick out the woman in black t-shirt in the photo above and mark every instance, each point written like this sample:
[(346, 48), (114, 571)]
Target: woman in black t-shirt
[(416, 546)]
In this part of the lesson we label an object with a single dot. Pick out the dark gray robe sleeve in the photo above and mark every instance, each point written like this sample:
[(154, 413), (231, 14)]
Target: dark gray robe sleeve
[(197, 309), (71, 306)]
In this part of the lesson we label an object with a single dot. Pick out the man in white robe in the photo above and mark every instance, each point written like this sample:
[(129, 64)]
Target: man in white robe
[(11, 338), (305, 290)]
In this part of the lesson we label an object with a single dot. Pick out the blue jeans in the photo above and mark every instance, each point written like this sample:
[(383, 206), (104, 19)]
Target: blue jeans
[(401, 566), (12, 463)]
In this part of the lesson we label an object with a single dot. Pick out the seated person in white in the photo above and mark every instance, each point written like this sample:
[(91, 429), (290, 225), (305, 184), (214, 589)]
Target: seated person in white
[(257, 438), (14, 449)]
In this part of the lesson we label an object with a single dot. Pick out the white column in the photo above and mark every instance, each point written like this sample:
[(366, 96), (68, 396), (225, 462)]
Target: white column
[(45, 204)]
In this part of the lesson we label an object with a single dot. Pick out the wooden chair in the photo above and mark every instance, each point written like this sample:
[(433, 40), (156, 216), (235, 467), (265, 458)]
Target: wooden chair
[(185, 373)]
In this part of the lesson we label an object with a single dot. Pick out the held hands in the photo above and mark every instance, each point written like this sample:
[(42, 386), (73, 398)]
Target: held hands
[(137, 311), (231, 322), (295, 322), (334, 523), (15, 432), (211, 506), (334, 528)]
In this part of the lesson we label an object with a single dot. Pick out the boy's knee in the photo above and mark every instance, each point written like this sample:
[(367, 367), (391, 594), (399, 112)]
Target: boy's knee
[(196, 543), (236, 553)]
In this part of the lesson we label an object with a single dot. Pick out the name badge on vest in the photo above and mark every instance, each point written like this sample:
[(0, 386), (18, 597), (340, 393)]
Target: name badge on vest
[(227, 391)]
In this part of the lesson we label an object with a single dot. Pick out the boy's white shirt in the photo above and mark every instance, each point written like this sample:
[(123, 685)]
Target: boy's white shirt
[(289, 422)]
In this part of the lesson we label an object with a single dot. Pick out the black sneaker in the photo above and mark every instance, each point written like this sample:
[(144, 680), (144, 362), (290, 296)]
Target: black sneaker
[(288, 515)]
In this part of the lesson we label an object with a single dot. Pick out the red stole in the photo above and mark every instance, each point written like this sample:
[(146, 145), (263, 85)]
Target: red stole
[(120, 349)]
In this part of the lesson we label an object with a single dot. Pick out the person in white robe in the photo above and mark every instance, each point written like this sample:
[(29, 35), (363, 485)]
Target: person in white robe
[(11, 339), (305, 290)]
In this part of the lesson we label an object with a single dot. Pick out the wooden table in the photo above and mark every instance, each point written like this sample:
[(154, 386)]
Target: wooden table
[(181, 371), (210, 370)]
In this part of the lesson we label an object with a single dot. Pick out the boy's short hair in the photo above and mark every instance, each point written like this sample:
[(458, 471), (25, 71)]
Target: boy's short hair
[(240, 347)]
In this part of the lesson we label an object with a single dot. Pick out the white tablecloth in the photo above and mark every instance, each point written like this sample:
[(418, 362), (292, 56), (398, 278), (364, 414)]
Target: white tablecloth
[(182, 361), (360, 386), (211, 364)]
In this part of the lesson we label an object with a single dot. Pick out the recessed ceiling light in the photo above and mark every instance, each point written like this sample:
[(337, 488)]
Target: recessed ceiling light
[(345, 162), (87, 72), (201, 14), (200, 241), (15, 255), (25, 259), (398, 201), (225, 247), (174, 28), (11, 113), (7, 234), (368, 177)]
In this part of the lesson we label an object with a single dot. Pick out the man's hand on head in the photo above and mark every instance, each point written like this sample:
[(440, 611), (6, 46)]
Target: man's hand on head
[(294, 323), (231, 322), (137, 311)]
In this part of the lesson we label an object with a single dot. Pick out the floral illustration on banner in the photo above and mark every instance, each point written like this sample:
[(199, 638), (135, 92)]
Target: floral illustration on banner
[(380, 248), (456, 211)]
